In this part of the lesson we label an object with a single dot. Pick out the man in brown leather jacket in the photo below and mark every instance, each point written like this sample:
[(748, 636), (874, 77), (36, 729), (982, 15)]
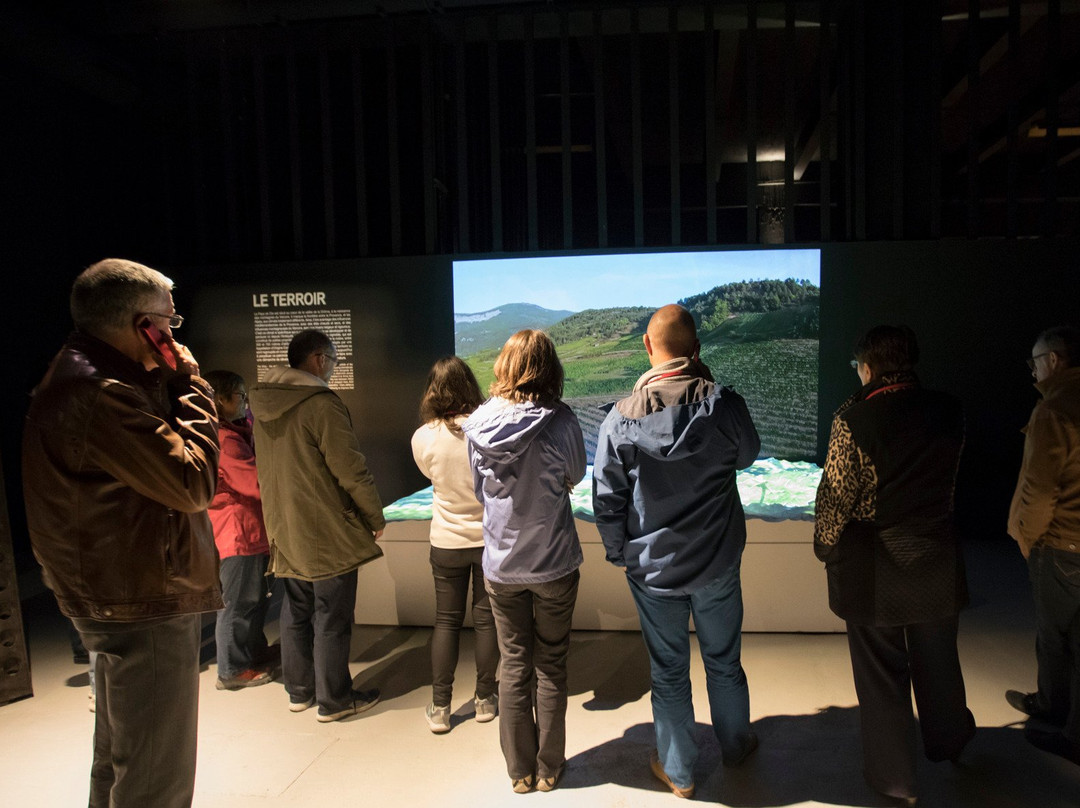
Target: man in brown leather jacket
[(1044, 518), (120, 459)]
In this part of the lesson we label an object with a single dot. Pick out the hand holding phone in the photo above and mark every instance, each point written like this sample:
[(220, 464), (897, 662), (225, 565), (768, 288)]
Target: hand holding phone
[(159, 343)]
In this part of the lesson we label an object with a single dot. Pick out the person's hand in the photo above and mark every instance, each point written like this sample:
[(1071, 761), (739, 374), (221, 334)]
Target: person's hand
[(185, 361)]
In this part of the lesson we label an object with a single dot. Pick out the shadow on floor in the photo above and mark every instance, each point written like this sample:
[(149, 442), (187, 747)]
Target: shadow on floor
[(818, 758)]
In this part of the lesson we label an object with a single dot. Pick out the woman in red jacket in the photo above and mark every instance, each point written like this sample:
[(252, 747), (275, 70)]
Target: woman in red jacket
[(240, 536)]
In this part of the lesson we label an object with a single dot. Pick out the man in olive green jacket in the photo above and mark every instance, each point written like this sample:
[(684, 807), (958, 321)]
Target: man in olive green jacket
[(323, 515)]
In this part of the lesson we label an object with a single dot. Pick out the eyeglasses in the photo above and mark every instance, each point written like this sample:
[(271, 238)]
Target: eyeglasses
[(175, 320), (333, 358), (1031, 362), (242, 394)]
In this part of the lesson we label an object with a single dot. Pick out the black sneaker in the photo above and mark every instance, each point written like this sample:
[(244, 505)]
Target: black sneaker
[(362, 700), (1055, 743)]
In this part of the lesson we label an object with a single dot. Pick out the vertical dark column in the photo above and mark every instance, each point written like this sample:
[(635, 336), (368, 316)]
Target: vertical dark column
[(709, 53), (826, 116), (1012, 135), (195, 150), (262, 158), (427, 114), (789, 122), (294, 153), (973, 74), (494, 134), (530, 132), (897, 90), (229, 148), (856, 173), (565, 130), (635, 128), (393, 149), (461, 113), (359, 153), (751, 124), (327, 154), (1051, 209), (675, 164), (601, 135)]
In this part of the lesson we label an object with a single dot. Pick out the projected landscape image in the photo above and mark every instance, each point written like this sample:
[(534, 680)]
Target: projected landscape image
[(757, 317)]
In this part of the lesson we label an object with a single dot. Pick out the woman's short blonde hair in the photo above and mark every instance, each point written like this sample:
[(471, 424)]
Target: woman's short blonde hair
[(528, 369)]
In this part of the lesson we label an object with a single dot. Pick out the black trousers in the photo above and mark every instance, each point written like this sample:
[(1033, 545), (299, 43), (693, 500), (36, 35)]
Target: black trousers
[(888, 663), (316, 633)]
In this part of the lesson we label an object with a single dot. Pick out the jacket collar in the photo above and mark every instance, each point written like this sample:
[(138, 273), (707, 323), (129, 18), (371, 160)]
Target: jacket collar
[(681, 368), (1058, 382)]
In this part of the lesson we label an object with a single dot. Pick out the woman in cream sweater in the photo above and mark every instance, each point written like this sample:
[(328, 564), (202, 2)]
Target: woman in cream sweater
[(457, 544)]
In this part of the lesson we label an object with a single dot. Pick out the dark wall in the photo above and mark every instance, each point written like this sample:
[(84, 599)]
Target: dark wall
[(977, 308)]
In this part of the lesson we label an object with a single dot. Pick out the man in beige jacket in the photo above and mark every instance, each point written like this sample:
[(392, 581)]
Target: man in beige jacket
[(323, 515), (1045, 521)]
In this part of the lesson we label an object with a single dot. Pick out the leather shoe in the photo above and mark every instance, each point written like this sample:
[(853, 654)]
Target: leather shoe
[(661, 775), (1024, 702), (1055, 743)]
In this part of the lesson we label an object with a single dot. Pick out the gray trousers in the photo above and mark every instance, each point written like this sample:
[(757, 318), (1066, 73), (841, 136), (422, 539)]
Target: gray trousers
[(533, 624), (147, 713)]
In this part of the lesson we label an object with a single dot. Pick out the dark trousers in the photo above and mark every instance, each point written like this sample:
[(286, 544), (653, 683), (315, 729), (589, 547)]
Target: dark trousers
[(533, 624), (240, 638), (452, 570), (147, 713), (1055, 583), (888, 663), (316, 632)]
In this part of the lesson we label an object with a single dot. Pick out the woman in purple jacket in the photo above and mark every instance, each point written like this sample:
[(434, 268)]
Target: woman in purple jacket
[(527, 454)]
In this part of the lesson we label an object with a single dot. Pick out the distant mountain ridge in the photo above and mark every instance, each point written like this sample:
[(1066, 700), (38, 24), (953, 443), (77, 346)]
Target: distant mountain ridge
[(488, 330)]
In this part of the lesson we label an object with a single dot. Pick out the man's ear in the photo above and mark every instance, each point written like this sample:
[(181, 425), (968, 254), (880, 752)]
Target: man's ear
[(697, 350), (648, 343)]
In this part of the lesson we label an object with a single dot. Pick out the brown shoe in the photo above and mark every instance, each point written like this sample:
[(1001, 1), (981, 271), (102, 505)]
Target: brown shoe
[(661, 775)]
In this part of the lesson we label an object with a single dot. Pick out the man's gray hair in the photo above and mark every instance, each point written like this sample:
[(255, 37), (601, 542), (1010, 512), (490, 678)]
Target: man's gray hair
[(107, 296), (1064, 340)]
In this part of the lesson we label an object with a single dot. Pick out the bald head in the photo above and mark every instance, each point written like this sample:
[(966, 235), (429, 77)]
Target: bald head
[(671, 334)]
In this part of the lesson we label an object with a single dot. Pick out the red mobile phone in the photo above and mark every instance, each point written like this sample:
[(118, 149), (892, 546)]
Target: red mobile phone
[(158, 341)]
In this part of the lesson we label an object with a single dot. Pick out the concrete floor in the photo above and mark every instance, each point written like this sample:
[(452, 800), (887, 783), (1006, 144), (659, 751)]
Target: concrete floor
[(253, 752)]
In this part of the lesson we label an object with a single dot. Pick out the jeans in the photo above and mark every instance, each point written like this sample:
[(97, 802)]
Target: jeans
[(533, 624), (452, 570), (240, 638), (316, 635), (888, 662), (665, 626), (147, 713), (1055, 582)]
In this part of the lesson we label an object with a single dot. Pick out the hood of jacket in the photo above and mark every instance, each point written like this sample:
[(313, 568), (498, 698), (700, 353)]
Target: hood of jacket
[(283, 389), (671, 413), (500, 430)]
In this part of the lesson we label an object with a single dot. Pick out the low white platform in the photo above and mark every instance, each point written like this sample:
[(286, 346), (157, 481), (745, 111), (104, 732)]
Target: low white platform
[(784, 587)]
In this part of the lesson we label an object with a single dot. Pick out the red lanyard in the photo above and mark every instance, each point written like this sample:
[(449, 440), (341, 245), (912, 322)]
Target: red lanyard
[(667, 375), (889, 387)]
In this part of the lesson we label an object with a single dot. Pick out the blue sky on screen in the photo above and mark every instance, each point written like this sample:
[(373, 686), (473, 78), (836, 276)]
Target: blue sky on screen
[(577, 282)]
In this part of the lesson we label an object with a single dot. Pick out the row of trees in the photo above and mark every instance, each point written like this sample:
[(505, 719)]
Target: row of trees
[(712, 308), (601, 324)]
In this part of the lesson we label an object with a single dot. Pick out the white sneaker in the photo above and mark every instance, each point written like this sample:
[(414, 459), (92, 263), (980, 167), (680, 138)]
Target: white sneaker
[(486, 709), (438, 718), (300, 706)]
